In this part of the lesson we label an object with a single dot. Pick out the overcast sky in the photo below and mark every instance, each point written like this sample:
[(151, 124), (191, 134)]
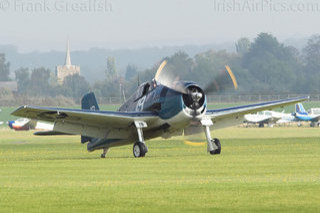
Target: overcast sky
[(45, 24)]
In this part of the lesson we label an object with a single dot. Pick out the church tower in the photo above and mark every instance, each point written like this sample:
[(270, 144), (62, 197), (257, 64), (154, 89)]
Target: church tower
[(63, 71)]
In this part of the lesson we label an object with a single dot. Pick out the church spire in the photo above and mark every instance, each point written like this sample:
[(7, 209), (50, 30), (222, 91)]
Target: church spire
[(68, 59)]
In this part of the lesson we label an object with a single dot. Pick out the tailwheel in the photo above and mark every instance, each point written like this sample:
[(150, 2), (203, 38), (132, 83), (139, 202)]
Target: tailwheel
[(217, 151), (139, 150)]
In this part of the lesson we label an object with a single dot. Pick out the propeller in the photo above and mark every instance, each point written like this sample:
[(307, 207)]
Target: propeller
[(222, 82), (193, 96)]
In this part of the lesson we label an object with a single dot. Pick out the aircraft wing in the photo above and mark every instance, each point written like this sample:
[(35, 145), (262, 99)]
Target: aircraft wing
[(84, 122), (235, 115)]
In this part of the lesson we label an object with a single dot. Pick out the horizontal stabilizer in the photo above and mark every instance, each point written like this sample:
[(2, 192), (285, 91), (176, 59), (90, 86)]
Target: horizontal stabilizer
[(85, 139)]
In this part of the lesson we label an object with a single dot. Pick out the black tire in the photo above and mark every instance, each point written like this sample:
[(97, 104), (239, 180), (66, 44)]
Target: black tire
[(216, 141), (261, 125), (139, 150)]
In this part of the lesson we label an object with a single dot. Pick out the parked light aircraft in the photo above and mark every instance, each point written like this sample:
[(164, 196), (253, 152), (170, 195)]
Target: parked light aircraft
[(23, 124), (269, 117), (159, 108), (302, 115)]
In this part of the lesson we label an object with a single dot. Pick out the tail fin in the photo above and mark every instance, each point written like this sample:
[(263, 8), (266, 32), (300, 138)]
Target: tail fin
[(88, 102), (300, 109)]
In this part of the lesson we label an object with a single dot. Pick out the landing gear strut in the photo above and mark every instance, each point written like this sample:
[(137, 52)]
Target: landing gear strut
[(139, 148), (105, 150), (214, 146)]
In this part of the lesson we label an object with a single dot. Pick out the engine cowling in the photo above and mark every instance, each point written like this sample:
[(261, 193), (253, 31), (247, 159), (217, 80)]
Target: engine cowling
[(194, 100)]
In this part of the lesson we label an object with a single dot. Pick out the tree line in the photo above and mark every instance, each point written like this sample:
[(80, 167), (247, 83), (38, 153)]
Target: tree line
[(261, 66)]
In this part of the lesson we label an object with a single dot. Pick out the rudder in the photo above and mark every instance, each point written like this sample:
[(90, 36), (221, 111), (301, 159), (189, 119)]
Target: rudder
[(89, 102)]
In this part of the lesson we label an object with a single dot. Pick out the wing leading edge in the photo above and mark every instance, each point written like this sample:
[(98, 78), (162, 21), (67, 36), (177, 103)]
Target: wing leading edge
[(234, 115), (81, 121)]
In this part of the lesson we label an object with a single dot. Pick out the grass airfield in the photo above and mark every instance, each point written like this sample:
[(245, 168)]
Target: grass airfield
[(260, 170)]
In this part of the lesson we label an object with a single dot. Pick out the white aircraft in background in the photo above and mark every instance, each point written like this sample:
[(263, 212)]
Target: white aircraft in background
[(28, 124), (269, 117)]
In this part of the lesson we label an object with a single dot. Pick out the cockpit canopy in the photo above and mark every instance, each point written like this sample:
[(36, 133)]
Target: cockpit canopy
[(145, 88)]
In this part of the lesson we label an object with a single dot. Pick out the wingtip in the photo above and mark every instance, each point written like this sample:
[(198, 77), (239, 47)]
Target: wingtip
[(305, 98), (18, 109)]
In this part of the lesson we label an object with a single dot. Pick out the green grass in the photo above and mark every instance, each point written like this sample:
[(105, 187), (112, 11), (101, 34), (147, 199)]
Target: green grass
[(272, 170)]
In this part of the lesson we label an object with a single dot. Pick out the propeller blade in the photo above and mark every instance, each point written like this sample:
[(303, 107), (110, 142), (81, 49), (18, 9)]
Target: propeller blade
[(193, 135), (162, 65), (167, 79), (224, 81), (191, 143)]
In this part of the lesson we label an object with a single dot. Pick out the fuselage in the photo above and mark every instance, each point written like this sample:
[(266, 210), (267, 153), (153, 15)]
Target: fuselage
[(164, 101), (305, 117), (174, 109)]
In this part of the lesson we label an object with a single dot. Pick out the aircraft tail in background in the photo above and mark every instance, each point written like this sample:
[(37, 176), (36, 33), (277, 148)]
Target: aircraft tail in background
[(300, 109)]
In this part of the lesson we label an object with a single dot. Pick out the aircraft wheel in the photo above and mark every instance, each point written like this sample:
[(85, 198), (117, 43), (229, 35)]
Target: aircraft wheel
[(103, 156), (216, 141), (139, 150), (261, 125)]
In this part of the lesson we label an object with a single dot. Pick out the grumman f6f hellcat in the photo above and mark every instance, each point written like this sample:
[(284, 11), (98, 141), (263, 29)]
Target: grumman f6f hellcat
[(159, 108)]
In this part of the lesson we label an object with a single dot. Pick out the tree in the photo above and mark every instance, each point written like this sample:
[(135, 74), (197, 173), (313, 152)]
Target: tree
[(312, 54), (243, 46), (23, 79), (39, 82), (272, 65), (4, 68), (312, 64), (131, 72), (111, 71), (75, 86)]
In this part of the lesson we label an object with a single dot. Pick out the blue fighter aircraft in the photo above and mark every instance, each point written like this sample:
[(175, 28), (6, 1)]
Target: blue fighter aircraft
[(160, 108)]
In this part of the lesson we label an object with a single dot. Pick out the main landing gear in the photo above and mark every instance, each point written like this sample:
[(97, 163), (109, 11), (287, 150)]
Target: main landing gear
[(213, 145), (139, 148)]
